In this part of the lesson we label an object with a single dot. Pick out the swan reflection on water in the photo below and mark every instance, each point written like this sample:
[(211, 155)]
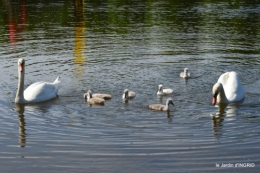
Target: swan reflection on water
[(22, 124), (224, 110), (20, 109)]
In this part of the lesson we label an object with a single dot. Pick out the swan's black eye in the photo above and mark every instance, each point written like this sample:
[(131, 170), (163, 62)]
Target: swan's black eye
[(21, 63), (215, 94)]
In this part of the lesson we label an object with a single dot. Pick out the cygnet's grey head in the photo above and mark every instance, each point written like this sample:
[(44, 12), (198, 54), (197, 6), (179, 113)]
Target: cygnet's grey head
[(169, 101), (88, 94), (160, 87), (126, 93), (186, 70)]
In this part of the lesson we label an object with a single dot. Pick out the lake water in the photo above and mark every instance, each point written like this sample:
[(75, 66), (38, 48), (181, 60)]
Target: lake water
[(107, 46)]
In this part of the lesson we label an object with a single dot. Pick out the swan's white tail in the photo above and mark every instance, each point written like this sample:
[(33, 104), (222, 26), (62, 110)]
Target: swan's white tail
[(57, 81)]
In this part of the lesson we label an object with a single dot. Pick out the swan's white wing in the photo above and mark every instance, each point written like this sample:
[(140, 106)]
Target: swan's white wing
[(167, 91), (131, 94), (223, 79), (233, 88), (40, 91)]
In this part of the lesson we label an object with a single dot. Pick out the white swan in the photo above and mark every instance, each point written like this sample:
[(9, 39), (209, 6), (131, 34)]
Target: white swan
[(37, 92), (228, 89), (161, 107), (128, 94), (162, 91), (185, 74)]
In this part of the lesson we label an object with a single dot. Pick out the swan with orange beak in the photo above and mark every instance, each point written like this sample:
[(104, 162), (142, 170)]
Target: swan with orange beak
[(228, 89)]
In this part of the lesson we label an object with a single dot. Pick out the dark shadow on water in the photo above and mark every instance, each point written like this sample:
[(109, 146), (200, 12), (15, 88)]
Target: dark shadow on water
[(186, 80), (169, 116)]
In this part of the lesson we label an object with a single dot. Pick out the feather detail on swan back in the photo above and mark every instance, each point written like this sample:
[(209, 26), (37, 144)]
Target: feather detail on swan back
[(41, 91)]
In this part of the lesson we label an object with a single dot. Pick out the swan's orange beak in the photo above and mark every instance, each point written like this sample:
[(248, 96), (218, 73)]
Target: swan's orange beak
[(214, 100), (21, 67)]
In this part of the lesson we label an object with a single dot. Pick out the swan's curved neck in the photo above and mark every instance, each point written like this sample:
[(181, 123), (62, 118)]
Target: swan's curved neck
[(167, 105), (19, 94), (222, 96), (126, 95), (90, 95)]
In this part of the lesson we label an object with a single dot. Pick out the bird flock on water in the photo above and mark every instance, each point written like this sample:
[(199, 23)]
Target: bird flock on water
[(228, 89)]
